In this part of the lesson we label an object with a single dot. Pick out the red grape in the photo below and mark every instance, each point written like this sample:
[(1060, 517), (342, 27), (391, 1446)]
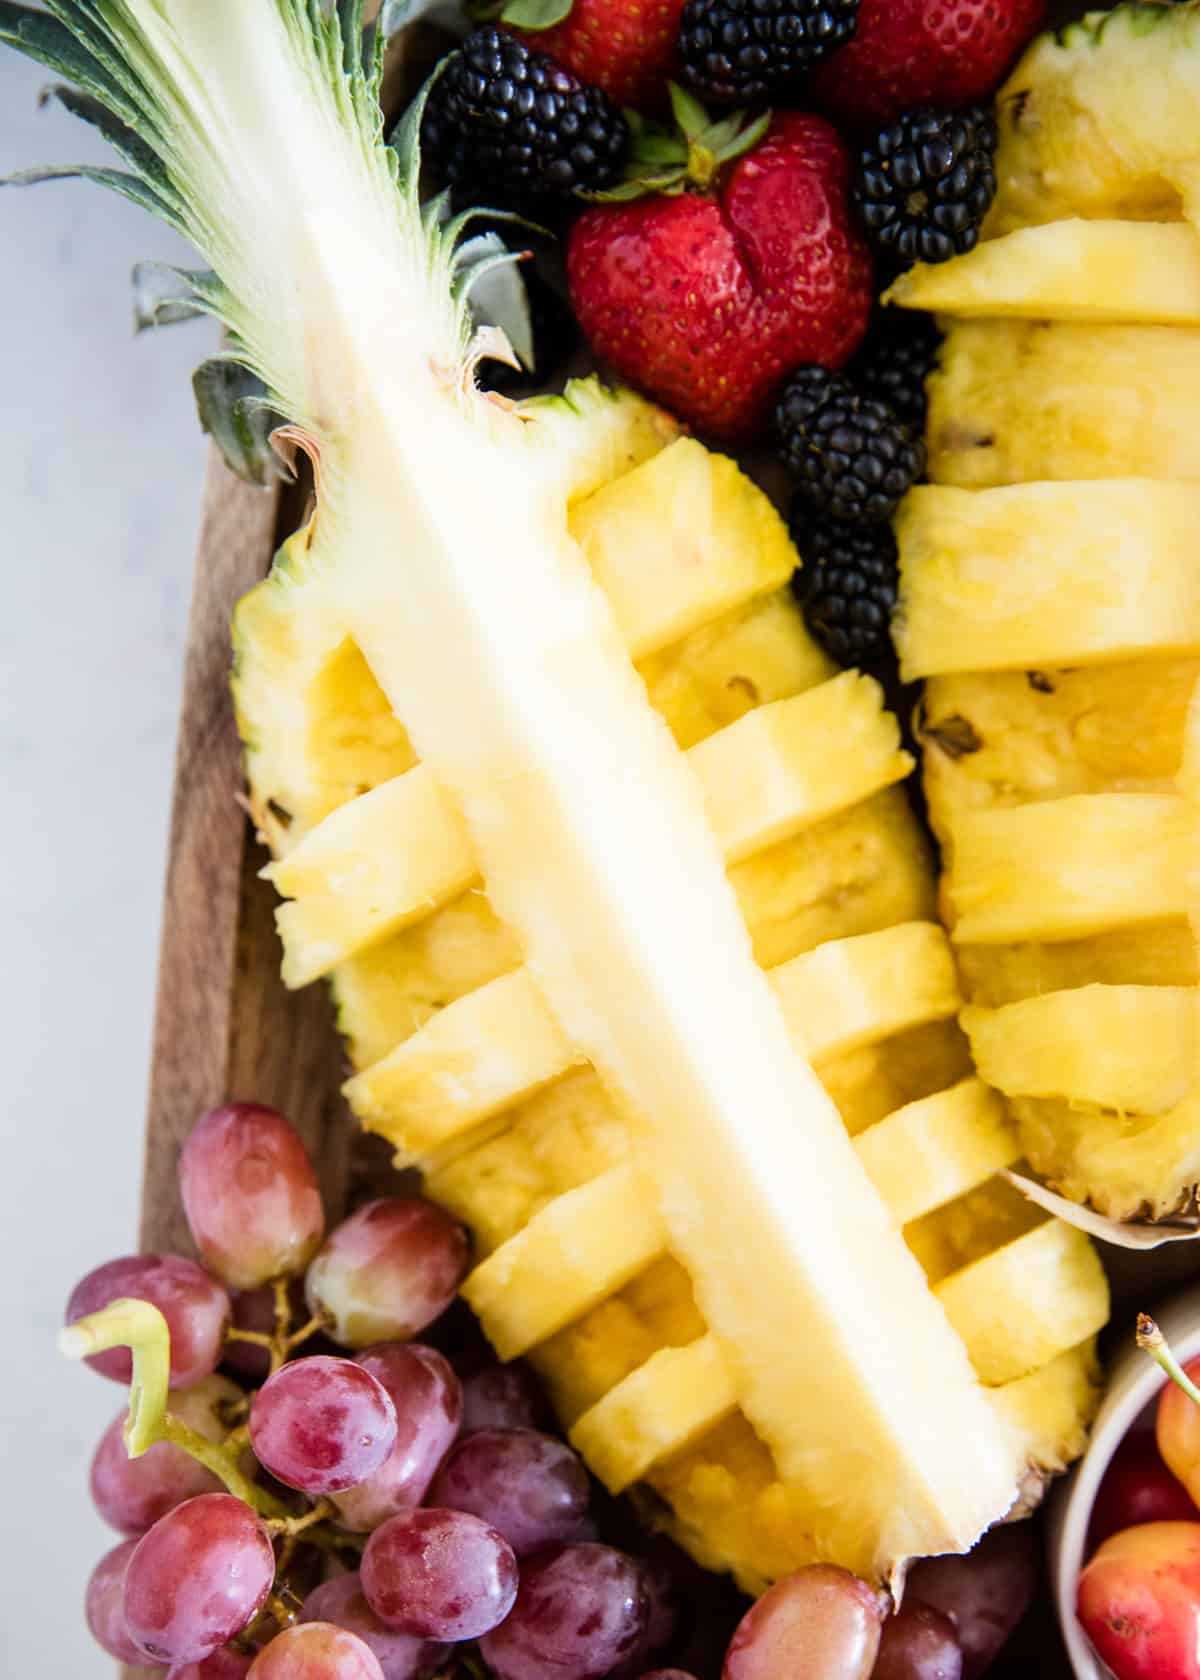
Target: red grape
[(580, 1612), (315, 1651), (820, 1621), (104, 1605), (667, 1674), (502, 1397), (250, 1195), (132, 1493), (387, 1271), (663, 1603), (1138, 1488), (918, 1643), (439, 1575), (531, 1487), (322, 1425), (428, 1402), (400, 1656), (194, 1305), (200, 1575), (984, 1593), (223, 1664)]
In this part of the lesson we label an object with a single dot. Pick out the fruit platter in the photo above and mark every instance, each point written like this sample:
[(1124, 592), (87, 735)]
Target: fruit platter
[(677, 1062)]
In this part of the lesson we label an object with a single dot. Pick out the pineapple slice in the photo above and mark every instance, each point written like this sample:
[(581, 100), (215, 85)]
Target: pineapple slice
[(1131, 1048), (1099, 120), (1071, 271), (1017, 400), (1033, 575), (466, 1064)]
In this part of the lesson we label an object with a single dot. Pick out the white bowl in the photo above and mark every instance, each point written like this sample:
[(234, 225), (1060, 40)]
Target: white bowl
[(1134, 1383)]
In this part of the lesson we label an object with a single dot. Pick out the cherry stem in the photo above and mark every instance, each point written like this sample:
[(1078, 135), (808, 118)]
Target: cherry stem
[(1152, 1341)]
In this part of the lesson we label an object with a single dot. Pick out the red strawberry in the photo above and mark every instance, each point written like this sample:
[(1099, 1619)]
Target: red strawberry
[(922, 52), (626, 47), (705, 301)]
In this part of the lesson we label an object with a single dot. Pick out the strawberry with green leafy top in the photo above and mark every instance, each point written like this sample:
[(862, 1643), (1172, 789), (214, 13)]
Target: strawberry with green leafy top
[(744, 261), (626, 47)]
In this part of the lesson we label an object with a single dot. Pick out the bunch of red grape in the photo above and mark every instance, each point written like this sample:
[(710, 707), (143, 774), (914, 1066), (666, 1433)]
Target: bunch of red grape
[(355, 1508)]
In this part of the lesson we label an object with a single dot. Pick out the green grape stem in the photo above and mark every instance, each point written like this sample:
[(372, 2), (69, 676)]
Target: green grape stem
[(139, 1326), (1152, 1341)]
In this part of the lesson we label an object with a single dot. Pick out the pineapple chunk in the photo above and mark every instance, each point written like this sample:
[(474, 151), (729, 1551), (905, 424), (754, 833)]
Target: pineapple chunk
[(1131, 1048), (768, 774), (755, 654), (315, 725), (1023, 1304), (718, 542), (385, 993), (854, 873), (480, 1056), (574, 1253), (1017, 400), (1128, 1166), (1051, 1408), (1099, 119), (1066, 868), (852, 992), (1037, 575), (1066, 271), (350, 892), (932, 1151), (1163, 954), (659, 1409)]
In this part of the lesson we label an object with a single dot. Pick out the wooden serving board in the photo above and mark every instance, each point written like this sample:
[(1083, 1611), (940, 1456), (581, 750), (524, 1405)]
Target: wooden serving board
[(226, 1028)]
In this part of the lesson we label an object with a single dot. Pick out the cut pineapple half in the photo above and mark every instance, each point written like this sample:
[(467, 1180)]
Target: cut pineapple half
[(466, 1065), (1050, 599)]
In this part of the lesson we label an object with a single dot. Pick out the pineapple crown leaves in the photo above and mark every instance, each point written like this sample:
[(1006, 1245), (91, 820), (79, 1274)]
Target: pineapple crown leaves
[(126, 72), (688, 157)]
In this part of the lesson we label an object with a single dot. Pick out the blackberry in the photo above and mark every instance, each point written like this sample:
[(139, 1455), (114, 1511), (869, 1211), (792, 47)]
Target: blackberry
[(925, 183), (846, 585), (513, 125), (736, 50), (897, 356), (853, 458)]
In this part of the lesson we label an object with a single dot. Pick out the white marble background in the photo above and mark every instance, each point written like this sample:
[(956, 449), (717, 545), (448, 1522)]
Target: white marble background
[(100, 468)]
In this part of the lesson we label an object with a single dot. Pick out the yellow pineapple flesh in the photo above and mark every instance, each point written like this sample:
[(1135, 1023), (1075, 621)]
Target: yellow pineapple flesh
[(462, 1064), (1050, 600)]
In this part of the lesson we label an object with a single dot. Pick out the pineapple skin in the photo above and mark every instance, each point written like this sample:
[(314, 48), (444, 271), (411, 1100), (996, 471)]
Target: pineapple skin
[(846, 875)]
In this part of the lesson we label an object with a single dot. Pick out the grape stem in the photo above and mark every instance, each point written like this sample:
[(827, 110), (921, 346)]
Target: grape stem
[(283, 1340), (1152, 1341), (139, 1326)]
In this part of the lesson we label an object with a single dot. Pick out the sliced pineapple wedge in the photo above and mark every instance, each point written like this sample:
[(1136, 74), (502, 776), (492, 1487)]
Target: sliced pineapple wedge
[(663, 1349), (1013, 401), (1072, 271), (1100, 120)]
